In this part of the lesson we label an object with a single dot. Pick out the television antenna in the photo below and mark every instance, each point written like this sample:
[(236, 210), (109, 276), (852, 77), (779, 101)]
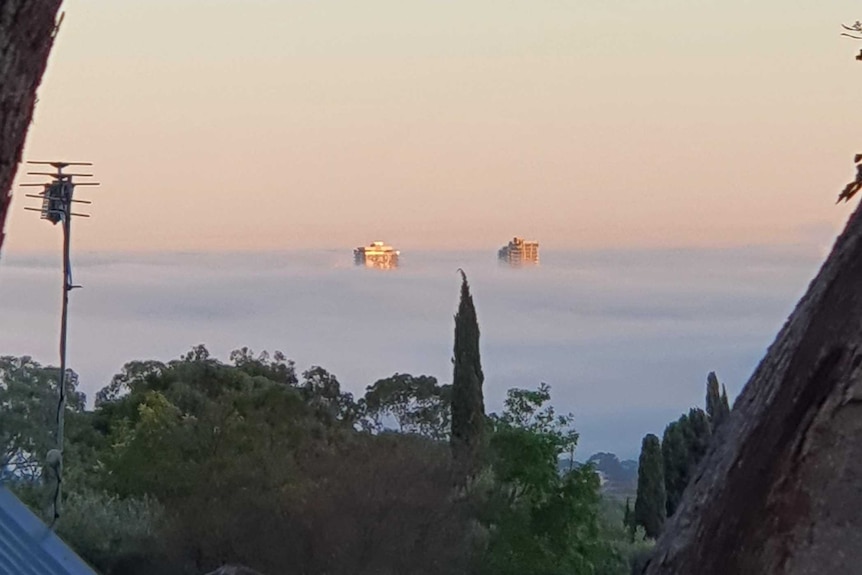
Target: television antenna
[(855, 30), (57, 199)]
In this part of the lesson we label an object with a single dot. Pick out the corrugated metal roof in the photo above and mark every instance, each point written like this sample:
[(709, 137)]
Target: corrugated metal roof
[(28, 547)]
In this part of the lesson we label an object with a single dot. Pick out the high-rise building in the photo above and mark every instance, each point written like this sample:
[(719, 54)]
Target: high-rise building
[(519, 252), (377, 255)]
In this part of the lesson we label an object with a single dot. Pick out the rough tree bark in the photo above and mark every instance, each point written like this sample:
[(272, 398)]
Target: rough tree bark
[(26, 36), (781, 488)]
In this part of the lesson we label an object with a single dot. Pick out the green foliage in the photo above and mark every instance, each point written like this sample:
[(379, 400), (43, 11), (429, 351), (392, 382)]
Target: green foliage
[(651, 498), (204, 420), (29, 396), (186, 465), (686, 441), (417, 404), (629, 523), (684, 444), (540, 522), (628, 543), (322, 392), (468, 404), (675, 457), (279, 369), (135, 375), (698, 434), (106, 530), (252, 470)]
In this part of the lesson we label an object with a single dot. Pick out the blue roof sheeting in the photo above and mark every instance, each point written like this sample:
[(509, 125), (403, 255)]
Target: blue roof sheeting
[(28, 547)]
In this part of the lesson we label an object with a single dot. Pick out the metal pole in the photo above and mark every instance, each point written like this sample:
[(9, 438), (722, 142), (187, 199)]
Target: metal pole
[(57, 199), (67, 287)]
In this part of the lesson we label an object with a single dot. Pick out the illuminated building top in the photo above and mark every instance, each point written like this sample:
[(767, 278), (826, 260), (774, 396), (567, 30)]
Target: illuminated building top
[(377, 255), (519, 252)]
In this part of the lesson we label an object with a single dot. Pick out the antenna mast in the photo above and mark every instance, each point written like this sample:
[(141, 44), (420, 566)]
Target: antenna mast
[(57, 199)]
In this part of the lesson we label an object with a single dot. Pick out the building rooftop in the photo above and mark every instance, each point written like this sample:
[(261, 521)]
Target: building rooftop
[(29, 547)]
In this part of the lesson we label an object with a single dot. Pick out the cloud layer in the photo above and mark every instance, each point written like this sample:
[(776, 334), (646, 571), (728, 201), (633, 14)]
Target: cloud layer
[(625, 338)]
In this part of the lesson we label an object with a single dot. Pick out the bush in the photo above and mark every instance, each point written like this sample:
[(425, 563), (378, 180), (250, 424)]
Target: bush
[(629, 551), (105, 530)]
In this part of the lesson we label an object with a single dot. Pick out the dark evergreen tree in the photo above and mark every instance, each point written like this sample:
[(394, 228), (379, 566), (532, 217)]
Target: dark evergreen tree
[(713, 395), (697, 435), (468, 405), (684, 444), (716, 402), (650, 506), (674, 451)]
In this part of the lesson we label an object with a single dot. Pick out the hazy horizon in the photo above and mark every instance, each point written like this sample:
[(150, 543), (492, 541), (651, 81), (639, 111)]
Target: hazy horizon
[(625, 338)]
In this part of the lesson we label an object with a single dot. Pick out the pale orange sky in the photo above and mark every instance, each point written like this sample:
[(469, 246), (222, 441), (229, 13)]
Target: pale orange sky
[(218, 124)]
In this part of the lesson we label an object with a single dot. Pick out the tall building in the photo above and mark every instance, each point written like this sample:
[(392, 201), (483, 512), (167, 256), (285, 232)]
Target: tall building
[(377, 255), (519, 252)]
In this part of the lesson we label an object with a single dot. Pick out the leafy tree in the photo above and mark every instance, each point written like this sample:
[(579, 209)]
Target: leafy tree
[(322, 391), (417, 404), (626, 541), (134, 374), (379, 504), (717, 407), (629, 521), (29, 397), (278, 369), (193, 463), (540, 521), (108, 530), (650, 505), (261, 472), (468, 405), (530, 434), (608, 463)]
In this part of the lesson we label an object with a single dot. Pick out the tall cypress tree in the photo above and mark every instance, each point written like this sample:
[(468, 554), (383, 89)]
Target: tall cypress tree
[(717, 407), (468, 404), (674, 451), (713, 396), (683, 446), (650, 506), (697, 435)]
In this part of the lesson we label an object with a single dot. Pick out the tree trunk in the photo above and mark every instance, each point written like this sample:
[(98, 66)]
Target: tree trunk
[(26, 35), (781, 488)]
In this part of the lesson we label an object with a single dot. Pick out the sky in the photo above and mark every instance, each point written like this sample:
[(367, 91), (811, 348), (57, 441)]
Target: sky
[(264, 124), (678, 160)]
